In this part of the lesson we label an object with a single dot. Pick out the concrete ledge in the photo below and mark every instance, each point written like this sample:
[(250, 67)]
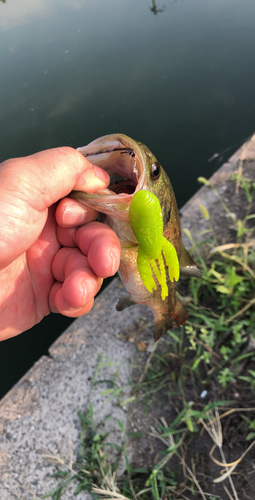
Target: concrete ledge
[(40, 412)]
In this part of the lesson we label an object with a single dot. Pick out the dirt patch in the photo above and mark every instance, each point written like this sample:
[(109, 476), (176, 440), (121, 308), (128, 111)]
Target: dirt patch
[(167, 404)]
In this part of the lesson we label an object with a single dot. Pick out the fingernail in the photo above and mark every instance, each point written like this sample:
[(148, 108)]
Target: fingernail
[(115, 257), (101, 174), (66, 308), (89, 290), (76, 212)]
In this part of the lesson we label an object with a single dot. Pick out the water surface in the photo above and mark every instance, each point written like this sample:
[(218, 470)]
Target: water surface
[(176, 75)]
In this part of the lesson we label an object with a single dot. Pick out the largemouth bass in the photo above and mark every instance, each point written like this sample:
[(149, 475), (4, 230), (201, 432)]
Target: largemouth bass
[(132, 167)]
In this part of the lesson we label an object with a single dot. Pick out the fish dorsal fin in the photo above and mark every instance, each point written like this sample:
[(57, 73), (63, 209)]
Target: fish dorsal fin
[(187, 264)]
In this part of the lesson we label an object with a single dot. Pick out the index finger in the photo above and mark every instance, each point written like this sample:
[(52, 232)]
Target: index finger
[(45, 177)]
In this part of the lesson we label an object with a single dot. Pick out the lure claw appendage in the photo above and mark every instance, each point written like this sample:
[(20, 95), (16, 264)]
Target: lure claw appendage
[(145, 271), (171, 259), (147, 266)]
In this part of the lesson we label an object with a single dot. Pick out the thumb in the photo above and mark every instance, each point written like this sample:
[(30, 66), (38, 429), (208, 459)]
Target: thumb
[(29, 185)]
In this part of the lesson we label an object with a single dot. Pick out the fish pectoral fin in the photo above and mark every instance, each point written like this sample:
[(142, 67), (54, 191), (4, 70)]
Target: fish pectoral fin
[(124, 302), (187, 265), (177, 317)]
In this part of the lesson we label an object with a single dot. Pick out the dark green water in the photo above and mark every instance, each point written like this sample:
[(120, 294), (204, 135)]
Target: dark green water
[(180, 80)]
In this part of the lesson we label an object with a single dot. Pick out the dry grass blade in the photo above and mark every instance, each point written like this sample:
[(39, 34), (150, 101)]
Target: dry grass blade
[(109, 479), (243, 264), (109, 495), (192, 476), (231, 465), (214, 429), (206, 494), (35, 497), (238, 261), (228, 493), (235, 246), (168, 488), (143, 491), (57, 460), (241, 311), (169, 441), (208, 348), (148, 362), (230, 246), (232, 410), (16, 495)]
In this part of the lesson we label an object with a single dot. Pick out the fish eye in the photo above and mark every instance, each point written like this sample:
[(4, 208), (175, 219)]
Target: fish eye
[(155, 171)]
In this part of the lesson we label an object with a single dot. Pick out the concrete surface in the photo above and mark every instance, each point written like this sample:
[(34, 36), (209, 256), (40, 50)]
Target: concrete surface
[(39, 415)]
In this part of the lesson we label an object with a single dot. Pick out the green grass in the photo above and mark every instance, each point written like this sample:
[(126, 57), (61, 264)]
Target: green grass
[(222, 313)]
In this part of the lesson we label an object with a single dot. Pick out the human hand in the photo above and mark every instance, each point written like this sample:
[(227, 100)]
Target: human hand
[(50, 260)]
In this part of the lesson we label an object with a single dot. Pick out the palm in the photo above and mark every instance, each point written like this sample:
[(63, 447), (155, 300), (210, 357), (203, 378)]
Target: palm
[(31, 275)]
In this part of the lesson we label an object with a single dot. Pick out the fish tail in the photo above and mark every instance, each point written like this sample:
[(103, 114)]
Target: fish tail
[(177, 318), (180, 314)]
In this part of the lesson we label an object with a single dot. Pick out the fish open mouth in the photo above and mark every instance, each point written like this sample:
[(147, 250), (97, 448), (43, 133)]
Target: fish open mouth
[(119, 185), (121, 158)]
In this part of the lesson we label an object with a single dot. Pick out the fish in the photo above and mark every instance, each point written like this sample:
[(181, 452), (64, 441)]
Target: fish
[(133, 167)]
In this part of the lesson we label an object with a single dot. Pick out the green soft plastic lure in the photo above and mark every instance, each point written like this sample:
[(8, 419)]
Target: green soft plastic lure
[(146, 221)]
